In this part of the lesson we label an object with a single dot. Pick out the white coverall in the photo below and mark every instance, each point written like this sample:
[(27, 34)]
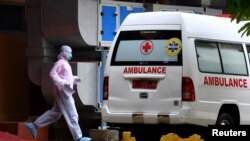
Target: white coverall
[(63, 79)]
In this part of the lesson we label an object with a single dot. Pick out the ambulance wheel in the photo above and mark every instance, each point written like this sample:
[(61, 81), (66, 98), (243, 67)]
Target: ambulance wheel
[(225, 119)]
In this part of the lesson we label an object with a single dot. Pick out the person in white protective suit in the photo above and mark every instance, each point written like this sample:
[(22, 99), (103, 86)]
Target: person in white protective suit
[(63, 80)]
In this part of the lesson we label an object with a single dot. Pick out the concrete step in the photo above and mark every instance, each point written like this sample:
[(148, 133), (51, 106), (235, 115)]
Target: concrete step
[(18, 129), (104, 135), (42, 133), (6, 136), (58, 131)]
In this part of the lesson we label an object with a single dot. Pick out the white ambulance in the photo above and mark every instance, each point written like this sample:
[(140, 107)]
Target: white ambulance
[(177, 68)]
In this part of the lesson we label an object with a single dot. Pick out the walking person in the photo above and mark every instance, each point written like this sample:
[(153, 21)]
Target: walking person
[(63, 80)]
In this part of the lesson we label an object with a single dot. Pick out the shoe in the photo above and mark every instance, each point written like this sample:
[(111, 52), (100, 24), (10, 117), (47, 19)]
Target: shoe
[(31, 128), (85, 139)]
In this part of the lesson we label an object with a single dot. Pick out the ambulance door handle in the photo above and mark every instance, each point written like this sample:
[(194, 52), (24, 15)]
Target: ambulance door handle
[(143, 95)]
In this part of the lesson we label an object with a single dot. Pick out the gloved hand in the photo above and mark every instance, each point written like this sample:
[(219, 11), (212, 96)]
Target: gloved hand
[(77, 79), (66, 83)]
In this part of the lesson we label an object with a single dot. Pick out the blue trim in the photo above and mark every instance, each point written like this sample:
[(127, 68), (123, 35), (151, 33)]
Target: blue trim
[(137, 9), (123, 13), (108, 23)]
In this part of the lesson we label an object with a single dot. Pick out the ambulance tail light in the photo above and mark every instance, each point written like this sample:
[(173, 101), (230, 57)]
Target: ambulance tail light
[(105, 88), (188, 93)]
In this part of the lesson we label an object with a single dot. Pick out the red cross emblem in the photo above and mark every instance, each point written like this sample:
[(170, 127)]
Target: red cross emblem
[(146, 47)]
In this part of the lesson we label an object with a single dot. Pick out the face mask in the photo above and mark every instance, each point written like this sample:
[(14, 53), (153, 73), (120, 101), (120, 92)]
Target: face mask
[(69, 56)]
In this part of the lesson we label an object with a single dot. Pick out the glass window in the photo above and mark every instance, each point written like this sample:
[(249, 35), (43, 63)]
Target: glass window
[(147, 47), (232, 56), (208, 57), (215, 57), (131, 49)]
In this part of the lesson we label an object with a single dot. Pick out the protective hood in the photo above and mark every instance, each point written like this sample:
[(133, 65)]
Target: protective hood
[(65, 53)]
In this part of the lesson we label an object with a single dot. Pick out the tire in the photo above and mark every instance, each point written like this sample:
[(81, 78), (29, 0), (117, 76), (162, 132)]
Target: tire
[(225, 119)]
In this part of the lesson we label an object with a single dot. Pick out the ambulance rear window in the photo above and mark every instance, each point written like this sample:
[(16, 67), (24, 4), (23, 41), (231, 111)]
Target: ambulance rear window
[(150, 47)]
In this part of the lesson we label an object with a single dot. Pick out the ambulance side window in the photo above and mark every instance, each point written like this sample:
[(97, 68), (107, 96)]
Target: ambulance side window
[(233, 58), (248, 51), (208, 57), (217, 57)]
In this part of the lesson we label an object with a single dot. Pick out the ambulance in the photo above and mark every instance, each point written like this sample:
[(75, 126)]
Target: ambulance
[(177, 68)]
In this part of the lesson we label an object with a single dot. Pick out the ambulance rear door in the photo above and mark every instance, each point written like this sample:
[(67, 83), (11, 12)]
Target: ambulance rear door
[(146, 70)]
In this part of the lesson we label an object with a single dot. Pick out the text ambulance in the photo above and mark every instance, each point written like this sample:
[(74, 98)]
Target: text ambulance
[(173, 67)]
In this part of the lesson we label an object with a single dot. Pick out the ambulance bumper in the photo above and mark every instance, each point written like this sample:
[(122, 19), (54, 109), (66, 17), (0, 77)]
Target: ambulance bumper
[(179, 117)]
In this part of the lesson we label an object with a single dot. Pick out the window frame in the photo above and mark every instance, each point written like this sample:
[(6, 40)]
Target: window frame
[(218, 44), (178, 33), (248, 55)]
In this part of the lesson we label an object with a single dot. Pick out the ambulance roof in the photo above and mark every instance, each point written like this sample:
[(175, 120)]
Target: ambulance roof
[(194, 25)]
